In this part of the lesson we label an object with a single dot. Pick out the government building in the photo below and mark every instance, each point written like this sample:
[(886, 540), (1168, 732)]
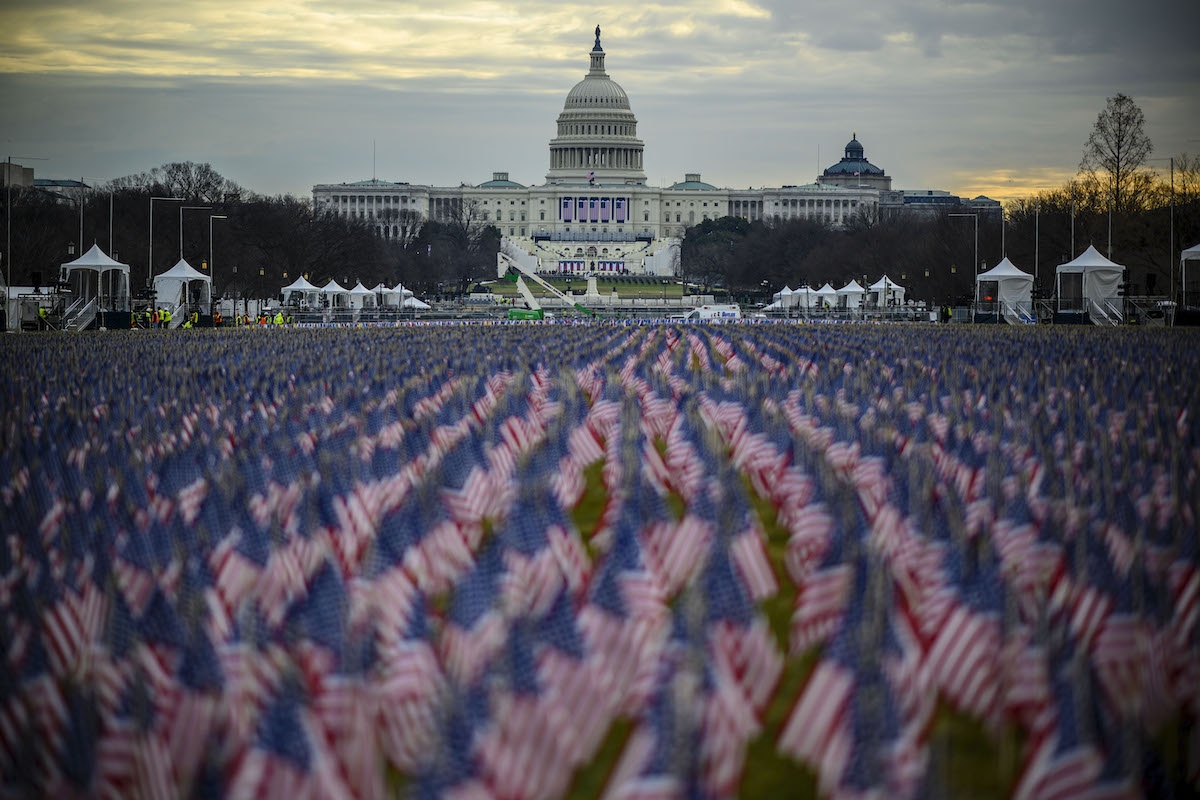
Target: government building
[(595, 213)]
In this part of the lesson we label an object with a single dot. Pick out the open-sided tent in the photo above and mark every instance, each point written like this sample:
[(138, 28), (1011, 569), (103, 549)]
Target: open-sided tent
[(415, 304), (361, 296), (338, 295), (385, 297), (305, 291), (1189, 277), (96, 275), (1006, 290), (826, 296), (1089, 283), (886, 292), (851, 295), (803, 297), (181, 285)]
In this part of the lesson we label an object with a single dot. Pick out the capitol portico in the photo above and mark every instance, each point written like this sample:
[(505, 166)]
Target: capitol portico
[(594, 213)]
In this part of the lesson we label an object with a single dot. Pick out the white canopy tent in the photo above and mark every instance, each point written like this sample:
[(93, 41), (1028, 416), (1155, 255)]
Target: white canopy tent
[(339, 296), (886, 292), (307, 291), (1006, 290), (361, 296), (851, 295), (782, 293), (385, 296), (414, 303), (803, 297), (1089, 283), (826, 295), (1189, 277), (183, 284), (111, 279)]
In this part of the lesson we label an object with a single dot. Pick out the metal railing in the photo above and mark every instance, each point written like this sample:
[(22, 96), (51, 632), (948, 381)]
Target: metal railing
[(1104, 313), (74, 307), (82, 317)]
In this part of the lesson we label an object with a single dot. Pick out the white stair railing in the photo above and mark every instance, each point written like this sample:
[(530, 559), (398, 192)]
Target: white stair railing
[(81, 318)]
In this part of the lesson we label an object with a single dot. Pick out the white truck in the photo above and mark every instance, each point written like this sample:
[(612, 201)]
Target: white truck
[(722, 312)]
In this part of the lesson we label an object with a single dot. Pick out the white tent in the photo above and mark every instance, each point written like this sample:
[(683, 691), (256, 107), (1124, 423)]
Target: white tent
[(1006, 290), (414, 303), (826, 296), (338, 295), (361, 296), (803, 297), (1190, 282), (111, 294), (399, 288), (782, 293), (384, 296), (1089, 283), (851, 295), (302, 287), (183, 284), (886, 292)]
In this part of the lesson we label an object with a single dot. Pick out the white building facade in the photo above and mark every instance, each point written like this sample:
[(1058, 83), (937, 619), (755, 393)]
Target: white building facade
[(594, 213)]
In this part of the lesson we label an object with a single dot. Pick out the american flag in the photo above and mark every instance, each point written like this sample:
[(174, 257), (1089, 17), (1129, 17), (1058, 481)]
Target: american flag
[(467, 558)]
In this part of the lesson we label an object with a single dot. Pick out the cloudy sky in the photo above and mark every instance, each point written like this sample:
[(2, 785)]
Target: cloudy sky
[(991, 97)]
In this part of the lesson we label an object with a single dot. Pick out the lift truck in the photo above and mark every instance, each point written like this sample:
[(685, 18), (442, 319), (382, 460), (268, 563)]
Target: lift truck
[(510, 269)]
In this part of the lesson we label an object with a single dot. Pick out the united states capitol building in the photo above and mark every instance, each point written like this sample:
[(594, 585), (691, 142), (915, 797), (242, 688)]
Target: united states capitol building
[(595, 213)]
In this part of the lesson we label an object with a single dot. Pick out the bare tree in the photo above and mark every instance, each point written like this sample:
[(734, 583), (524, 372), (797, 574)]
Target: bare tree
[(1115, 153), (186, 179), (405, 225)]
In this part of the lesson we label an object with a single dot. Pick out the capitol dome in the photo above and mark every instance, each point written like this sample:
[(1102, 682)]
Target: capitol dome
[(597, 132), (596, 90)]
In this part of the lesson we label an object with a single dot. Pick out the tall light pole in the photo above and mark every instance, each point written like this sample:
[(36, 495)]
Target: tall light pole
[(181, 210), (975, 268), (212, 268), (150, 262), (1171, 240), (1037, 214)]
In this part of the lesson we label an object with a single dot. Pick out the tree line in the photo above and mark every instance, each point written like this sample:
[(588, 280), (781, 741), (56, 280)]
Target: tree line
[(1115, 202), (255, 243), (259, 243)]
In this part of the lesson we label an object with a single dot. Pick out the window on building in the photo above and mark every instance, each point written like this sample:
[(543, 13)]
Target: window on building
[(542, 216)]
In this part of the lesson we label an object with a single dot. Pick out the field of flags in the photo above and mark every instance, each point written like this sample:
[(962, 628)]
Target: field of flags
[(648, 561)]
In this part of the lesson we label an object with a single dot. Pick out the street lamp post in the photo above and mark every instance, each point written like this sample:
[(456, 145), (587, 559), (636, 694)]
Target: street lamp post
[(1171, 240), (975, 266), (150, 262), (181, 210), (212, 268)]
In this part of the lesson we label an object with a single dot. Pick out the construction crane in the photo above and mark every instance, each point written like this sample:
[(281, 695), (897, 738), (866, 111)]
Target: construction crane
[(510, 269)]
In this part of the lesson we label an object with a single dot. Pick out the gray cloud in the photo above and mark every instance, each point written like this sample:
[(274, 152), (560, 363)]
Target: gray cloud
[(942, 94)]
